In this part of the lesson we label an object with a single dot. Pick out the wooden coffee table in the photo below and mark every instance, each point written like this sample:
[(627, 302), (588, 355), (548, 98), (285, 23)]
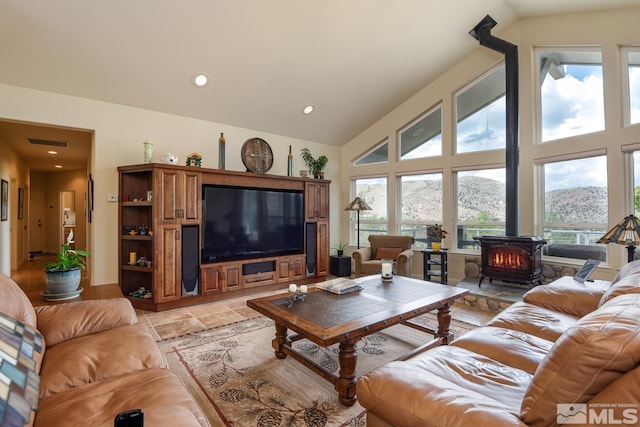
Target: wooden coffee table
[(326, 318)]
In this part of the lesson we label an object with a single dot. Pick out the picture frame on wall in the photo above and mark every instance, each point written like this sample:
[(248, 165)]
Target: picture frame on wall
[(4, 200), (20, 203)]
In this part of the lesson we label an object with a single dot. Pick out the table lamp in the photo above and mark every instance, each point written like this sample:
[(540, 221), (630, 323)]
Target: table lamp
[(358, 205), (627, 233)]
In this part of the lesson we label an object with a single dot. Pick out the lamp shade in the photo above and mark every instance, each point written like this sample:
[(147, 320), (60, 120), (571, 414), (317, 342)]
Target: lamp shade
[(627, 233), (358, 205)]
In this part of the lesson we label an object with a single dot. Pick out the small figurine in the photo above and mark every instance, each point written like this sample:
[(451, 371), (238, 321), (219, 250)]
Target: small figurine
[(194, 159)]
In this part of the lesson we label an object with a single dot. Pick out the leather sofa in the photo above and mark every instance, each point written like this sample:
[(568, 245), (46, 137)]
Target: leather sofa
[(568, 353), (369, 260), (97, 362)]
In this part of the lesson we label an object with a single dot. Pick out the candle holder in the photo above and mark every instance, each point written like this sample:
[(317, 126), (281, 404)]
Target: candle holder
[(299, 294), (386, 270)]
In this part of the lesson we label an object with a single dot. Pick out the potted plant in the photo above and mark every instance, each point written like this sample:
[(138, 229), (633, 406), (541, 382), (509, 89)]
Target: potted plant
[(316, 166), (63, 274), (340, 248), (436, 233)]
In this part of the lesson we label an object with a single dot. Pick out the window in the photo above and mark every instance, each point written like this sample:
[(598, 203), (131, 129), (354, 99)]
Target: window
[(481, 114), (575, 207), (422, 138), (374, 192), (636, 183), (380, 154), (632, 89), (420, 205), (571, 93), (480, 205)]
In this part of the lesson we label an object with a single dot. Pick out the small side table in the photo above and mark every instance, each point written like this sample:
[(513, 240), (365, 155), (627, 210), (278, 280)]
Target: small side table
[(435, 259), (340, 265)]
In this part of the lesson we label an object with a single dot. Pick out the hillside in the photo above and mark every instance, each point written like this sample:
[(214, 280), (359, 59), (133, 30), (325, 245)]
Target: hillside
[(478, 198)]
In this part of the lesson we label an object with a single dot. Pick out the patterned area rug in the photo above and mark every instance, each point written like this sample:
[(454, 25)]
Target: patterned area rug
[(237, 380)]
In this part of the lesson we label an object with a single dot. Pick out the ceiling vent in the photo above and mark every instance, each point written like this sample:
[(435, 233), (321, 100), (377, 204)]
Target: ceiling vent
[(49, 143)]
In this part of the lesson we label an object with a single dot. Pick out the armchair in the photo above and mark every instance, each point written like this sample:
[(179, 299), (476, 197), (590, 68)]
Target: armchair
[(369, 260)]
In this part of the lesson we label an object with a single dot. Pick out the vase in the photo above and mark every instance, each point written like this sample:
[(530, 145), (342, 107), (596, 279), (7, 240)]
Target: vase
[(148, 151), (436, 246)]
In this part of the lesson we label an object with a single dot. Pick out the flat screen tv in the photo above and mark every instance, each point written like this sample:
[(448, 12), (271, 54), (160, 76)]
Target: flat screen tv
[(243, 223)]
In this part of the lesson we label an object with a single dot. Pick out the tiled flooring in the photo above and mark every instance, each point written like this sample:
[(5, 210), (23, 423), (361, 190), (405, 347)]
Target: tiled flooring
[(173, 323), (182, 321)]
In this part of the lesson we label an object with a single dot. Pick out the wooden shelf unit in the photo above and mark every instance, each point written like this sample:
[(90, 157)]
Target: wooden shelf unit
[(176, 201)]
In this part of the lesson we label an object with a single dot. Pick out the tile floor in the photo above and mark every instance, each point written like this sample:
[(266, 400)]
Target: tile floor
[(182, 321)]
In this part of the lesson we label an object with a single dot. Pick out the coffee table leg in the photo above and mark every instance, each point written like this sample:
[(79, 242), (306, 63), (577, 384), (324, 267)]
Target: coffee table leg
[(444, 321), (280, 341), (346, 385)]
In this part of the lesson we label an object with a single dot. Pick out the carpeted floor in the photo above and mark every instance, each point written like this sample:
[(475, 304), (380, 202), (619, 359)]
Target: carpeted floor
[(234, 375)]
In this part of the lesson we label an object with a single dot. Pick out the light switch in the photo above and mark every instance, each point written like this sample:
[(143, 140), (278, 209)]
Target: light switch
[(112, 197)]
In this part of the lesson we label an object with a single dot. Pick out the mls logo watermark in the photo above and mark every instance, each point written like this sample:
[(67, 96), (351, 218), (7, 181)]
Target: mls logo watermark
[(597, 413)]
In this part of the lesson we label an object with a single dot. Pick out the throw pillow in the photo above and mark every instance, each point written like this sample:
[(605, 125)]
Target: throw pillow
[(391, 253)]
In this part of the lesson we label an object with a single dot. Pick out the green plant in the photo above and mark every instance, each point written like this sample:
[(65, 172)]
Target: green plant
[(316, 166), (341, 246), (68, 259)]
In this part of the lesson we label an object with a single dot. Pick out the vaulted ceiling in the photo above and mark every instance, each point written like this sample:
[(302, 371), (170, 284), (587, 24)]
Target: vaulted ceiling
[(353, 60)]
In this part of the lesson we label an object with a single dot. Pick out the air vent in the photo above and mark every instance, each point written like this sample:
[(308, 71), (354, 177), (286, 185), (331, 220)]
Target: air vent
[(49, 143)]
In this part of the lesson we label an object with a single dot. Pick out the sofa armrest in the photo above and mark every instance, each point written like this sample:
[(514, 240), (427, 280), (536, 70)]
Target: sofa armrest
[(59, 323), (568, 296), (359, 256), (403, 263)]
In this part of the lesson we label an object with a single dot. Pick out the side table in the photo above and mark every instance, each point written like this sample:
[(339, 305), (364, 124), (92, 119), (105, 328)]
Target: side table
[(435, 265), (340, 265)]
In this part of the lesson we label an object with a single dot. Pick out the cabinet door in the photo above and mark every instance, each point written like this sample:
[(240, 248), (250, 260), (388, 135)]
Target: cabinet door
[(180, 196), (322, 248), (317, 201), (167, 189), (211, 279), (168, 264), (297, 268), (191, 200), (231, 277), (283, 269)]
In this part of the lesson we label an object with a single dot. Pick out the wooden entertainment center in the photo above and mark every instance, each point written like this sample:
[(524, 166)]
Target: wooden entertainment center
[(160, 222)]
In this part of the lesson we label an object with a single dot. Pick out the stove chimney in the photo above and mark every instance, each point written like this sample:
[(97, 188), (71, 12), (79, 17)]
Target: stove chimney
[(482, 33)]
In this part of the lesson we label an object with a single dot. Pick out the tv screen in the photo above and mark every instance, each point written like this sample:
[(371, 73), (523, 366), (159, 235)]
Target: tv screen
[(241, 223)]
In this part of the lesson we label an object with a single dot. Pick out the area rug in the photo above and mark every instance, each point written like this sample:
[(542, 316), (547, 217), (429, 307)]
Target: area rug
[(237, 380)]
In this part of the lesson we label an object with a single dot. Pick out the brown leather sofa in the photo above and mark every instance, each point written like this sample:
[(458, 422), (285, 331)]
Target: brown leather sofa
[(368, 260), (97, 362), (568, 353)]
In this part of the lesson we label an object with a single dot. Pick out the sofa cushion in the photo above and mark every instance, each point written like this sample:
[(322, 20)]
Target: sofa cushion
[(391, 253), (75, 319), (598, 349), (568, 296), (513, 348), (626, 285), (158, 392), (96, 357), (534, 320), (445, 386), (632, 267)]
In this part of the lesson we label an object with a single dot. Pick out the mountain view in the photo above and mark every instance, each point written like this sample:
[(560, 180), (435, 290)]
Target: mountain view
[(484, 199)]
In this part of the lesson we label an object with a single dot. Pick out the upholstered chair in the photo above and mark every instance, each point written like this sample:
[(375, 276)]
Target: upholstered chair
[(369, 260)]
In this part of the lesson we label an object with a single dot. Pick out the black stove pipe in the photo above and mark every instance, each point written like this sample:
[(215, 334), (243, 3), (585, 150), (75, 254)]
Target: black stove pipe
[(482, 33)]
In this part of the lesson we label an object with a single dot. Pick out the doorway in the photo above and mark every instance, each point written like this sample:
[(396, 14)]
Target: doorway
[(36, 216)]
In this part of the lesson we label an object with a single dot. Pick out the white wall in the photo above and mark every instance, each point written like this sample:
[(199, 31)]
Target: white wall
[(118, 135), (608, 30)]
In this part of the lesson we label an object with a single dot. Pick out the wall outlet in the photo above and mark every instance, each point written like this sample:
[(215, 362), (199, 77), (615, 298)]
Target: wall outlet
[(112, 197)]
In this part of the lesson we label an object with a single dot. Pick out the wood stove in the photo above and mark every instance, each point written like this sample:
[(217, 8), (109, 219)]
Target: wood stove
[(511, 259)]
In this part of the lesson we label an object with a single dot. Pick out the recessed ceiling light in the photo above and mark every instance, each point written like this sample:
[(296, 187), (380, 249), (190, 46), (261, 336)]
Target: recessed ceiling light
[(308, 109), (58, 166), (52, 152), (200, 80)]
